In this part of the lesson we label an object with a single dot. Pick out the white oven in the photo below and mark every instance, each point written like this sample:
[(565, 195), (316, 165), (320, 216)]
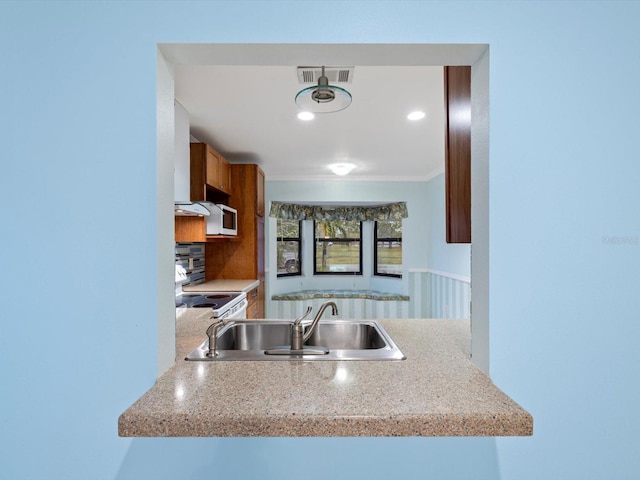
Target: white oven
[(239, 310), (223, 305)]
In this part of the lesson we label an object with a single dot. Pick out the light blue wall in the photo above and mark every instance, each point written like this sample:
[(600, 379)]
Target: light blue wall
[(77, 209)]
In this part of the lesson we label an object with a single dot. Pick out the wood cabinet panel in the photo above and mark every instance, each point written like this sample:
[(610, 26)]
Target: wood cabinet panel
[(210, 173), (260, 192), (457, 81), (190, 229), (212, 167), (243, 257), (253, 307), (224, 175)]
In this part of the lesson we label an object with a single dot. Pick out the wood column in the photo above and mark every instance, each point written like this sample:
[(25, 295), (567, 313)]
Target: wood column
[(457, 85)]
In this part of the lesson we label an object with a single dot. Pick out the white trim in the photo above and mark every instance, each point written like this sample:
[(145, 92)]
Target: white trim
[(455, 276), (476, 55), (352, 178)]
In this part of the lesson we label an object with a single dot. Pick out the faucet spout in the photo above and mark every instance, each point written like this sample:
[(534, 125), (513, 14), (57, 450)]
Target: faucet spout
[(212, 333), (316, 319), (298, 337)]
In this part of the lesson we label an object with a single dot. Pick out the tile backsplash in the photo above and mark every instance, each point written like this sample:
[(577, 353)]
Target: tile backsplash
[(190, 256)]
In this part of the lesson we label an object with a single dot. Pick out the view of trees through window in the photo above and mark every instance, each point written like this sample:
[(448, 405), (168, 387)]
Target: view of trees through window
[(288, 246), (388, 248), (338, 247)]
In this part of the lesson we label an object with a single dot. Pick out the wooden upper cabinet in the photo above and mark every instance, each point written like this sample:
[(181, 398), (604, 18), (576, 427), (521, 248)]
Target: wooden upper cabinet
[(259, 192), (209, 169), (212, 167), (224, 176), (457, 86)]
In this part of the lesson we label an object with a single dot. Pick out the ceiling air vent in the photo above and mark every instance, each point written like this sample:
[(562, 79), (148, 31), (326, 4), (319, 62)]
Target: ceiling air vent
[(334, 74)]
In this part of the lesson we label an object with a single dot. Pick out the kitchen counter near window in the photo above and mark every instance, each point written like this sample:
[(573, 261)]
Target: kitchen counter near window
[(222, 285), (436, 391)]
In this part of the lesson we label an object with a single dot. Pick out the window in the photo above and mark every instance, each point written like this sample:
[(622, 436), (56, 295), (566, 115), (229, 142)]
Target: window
[(288, 244), (387, 254), (338, 247)]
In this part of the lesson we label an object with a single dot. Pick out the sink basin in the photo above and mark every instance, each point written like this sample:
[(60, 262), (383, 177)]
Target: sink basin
[(253, 336), (346, 340), (348, 336)]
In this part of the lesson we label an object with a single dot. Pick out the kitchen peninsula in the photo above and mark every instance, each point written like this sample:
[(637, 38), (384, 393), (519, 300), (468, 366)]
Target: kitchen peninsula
[(436, 391)]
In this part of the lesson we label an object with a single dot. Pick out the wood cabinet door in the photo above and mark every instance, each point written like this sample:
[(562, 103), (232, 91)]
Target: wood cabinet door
[(223, 181), (259, 192), (457, 83), (253, 308), (212, 168)]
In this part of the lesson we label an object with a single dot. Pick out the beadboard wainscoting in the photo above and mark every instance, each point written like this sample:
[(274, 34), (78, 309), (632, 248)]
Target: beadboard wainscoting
[(432, 294), (437, 294), (348, 308)]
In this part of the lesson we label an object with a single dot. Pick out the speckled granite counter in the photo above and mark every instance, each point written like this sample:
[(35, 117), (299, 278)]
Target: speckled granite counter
[(437, 391), (364, 294), (222, 286)]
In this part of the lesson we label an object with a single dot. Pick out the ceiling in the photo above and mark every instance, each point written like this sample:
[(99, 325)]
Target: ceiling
[(248, 113), (240, 98)]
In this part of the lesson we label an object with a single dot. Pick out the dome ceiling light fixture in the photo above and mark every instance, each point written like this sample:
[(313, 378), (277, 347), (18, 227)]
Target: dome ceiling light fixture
[(323, 97), (306, 116), (341, 169)]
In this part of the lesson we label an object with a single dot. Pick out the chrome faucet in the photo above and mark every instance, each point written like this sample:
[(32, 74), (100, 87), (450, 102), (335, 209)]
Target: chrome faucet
[(212, 333), (298, 337)]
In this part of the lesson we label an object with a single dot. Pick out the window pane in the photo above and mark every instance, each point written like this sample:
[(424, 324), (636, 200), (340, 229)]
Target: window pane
[(389, 258), (288, 247), (388, 253), (288, 257), (337, 257), (337, 247)]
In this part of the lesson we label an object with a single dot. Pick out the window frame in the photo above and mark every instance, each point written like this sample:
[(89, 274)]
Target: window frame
[(297, 239), (339, 240), (375, 251)]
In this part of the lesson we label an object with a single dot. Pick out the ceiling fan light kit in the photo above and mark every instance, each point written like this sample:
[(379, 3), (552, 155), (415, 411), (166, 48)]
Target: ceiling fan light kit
[(323, 97)]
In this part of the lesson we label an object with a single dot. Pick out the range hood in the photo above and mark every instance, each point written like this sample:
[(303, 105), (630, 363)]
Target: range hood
[(183, 205), (191, 209)]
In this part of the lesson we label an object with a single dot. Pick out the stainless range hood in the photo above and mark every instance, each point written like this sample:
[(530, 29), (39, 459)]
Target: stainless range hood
[(192, 209), (183, 205)]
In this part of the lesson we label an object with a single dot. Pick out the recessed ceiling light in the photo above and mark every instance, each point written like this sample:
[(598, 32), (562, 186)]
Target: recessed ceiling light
[(417, 115), (306, 116), (341, 168)]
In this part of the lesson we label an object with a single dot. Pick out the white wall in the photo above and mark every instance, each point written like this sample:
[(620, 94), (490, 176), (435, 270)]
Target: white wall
[(166, 126), (442, 256), (424, 242)]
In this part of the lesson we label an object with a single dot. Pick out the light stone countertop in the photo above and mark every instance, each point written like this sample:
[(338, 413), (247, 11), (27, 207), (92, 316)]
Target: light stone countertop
[(222, 285), (436, 391)]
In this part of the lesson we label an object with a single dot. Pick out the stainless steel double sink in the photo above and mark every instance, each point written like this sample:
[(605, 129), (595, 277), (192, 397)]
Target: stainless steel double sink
[(345, 339)]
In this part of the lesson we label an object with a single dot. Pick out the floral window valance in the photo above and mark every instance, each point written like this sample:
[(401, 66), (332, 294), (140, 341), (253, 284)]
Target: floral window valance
[(294, 211)]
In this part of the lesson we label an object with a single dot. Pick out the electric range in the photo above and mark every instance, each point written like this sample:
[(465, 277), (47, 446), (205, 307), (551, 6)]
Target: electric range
[(222, 304)]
